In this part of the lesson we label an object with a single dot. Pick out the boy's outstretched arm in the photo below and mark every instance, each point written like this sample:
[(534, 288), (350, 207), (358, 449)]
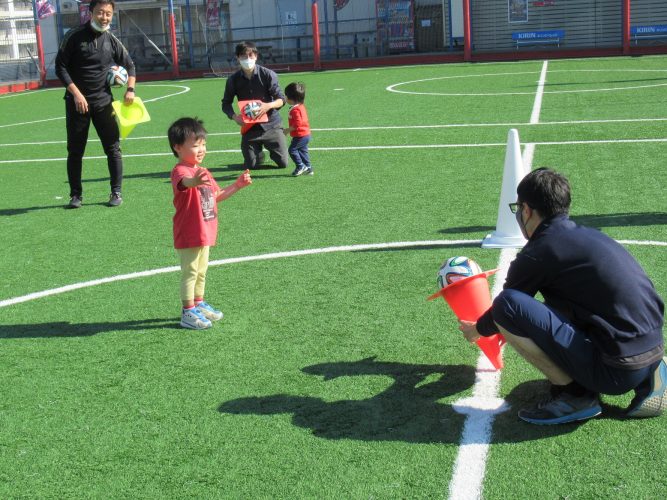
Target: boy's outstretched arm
[(243, 180)]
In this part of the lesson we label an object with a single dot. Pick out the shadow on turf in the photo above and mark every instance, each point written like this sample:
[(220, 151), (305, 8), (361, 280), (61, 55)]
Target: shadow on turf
[(596, 221), (409, 410), (65, 329)]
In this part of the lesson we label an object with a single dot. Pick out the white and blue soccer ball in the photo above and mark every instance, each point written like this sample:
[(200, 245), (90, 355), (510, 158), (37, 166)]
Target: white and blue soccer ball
[(455, 269), (251, 109), (117, 76)]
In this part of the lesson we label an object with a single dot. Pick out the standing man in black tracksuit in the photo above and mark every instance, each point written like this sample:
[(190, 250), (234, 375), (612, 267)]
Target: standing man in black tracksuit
[(599, 329), (84, 58)]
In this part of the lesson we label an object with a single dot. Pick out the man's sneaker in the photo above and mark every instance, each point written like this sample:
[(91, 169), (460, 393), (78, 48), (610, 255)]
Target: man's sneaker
[(652, 400), (194, 319), (75, 202), (115, 199), (300, 170), (209, 311), (309, 171), (563, 409)]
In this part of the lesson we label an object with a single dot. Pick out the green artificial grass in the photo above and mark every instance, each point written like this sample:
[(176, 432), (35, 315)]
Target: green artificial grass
[(331, 376)]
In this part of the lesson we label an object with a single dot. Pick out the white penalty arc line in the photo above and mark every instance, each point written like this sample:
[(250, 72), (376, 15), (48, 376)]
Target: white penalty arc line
[(266, 256), (235, 260), (183, 91)]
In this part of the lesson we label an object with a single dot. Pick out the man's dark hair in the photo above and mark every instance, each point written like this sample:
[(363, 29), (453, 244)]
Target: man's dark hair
[(545, 190), (296, 91), (184, 128), (93, 3), (243, 47)]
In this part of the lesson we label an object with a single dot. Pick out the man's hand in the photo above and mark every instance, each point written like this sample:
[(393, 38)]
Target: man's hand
[(469, 329), (243, 180), (129, 97), (80, 103)]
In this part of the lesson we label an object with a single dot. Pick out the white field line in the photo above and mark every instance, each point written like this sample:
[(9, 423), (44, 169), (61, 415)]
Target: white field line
[(358, 148), (183, 91), (371, 128), (268, 256), (480, 410), (235, 260), (470, 467), (537, 104)]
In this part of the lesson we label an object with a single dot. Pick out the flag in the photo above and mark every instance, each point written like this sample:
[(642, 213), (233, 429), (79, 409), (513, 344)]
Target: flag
[(45, 9), (339, 4)]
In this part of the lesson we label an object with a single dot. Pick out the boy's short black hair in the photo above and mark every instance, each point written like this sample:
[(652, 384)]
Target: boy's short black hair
[(243, 47), (296, 91), (93, 3), (184, 128), (547, 191)]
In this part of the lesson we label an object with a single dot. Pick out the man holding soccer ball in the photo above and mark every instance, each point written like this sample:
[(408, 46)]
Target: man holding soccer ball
[(255, 82), (83, 61), (599, 329)]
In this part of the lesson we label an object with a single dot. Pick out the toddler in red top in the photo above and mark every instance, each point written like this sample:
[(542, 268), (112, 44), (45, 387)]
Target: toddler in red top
[(196, 195), (299, 128)]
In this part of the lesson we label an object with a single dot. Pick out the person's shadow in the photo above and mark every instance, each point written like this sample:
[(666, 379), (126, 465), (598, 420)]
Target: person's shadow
[(410, 410), (66, 329)]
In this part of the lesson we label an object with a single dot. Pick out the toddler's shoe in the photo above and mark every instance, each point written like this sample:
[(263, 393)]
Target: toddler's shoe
[(194, 319), (300, 170), (209, 311)]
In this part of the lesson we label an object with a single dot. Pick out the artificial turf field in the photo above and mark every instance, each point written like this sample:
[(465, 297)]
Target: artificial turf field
[(330, 376)]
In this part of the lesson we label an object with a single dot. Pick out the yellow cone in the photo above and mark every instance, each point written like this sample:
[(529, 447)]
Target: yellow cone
[(130, 116)]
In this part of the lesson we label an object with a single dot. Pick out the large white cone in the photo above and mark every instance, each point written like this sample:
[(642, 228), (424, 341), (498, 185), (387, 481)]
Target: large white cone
[(507, 233)]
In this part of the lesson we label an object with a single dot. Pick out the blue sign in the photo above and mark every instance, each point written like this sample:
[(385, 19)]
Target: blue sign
[(538, 35)]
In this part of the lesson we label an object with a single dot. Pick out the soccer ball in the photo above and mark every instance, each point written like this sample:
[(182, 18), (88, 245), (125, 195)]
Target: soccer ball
[(117, 76), (251, 109), (455, 269)]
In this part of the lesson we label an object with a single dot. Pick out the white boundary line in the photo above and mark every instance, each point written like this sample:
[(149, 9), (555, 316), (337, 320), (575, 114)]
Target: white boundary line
[(470, 467), (266, 256), (360, 148), (385, 127)]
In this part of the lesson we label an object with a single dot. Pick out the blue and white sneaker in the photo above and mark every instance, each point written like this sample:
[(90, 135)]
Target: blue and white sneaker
[(651, 402), (209, 311), (299, 170), (309, 171), (194, 319), (562, 409)]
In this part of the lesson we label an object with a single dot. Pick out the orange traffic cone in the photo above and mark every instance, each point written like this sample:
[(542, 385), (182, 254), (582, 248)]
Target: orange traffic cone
[(469, 298)]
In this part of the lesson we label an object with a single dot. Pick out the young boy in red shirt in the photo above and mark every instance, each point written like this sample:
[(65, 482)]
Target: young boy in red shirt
[(196, 195), (299, 128)]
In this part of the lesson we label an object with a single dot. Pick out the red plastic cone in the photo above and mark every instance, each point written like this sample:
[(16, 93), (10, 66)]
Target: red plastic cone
[(469, 298)]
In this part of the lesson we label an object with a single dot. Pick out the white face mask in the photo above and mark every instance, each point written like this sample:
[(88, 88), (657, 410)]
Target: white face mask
[(97, 27), (247, 64)]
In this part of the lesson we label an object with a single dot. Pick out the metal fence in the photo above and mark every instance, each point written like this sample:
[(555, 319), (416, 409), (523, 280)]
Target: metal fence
[(208, 30)]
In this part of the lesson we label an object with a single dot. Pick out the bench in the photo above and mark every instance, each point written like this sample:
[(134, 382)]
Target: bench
[(553, 37), (656, 32)]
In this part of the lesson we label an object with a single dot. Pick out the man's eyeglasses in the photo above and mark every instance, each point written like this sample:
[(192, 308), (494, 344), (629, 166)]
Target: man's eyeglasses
[(514, 207)]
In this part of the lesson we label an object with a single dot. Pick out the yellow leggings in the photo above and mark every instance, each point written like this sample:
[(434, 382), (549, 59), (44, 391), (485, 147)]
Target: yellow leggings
[(194, 264)]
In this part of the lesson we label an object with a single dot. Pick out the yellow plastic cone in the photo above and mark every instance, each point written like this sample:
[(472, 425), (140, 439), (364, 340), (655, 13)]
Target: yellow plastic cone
[(130, 116)]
